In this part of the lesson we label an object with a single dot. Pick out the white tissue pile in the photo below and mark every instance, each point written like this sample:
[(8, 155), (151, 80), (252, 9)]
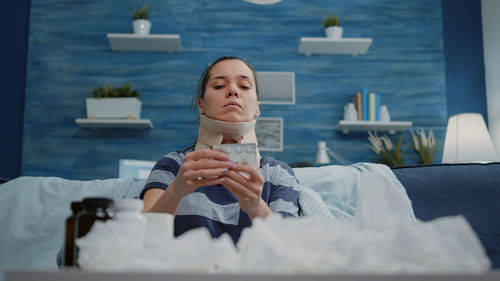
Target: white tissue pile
[(383, 237)]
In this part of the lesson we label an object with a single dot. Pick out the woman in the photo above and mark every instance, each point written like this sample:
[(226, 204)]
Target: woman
[(203, 188)]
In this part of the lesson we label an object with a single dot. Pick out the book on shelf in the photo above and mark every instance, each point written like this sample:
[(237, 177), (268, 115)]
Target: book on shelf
[(367, 105), (364, 103), (358, 105), (371, 107)]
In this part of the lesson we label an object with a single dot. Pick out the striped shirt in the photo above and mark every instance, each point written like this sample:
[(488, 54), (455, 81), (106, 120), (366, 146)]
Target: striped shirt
[(215, 207)]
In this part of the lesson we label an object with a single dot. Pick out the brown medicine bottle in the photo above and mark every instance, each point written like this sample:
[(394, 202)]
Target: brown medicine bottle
[(69, 245), (94, 209)]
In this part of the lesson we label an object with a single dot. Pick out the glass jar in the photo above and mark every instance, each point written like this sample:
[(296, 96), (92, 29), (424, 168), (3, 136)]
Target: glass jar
[(94, 209), (69, 244)]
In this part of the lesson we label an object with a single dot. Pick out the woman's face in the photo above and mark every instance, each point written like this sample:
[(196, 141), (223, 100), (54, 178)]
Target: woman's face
[(230, 94)]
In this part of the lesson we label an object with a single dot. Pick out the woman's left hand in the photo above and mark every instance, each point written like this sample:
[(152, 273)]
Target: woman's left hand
[(247, 187)]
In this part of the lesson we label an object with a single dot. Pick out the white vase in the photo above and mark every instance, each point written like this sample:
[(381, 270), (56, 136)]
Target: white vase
[(350, 113), (114, 108), (384, 114), (142, 27), (334, 32)]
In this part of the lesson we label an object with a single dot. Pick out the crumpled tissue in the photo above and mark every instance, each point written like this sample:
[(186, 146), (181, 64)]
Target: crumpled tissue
[(110, 245), (384, 237), (149, 245)]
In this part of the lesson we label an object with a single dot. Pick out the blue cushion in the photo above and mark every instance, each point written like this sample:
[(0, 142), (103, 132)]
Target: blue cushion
[(469, 189)]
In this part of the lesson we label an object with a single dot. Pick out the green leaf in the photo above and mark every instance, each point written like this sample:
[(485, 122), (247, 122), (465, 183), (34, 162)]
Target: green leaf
[(331, 20), (141, 13), (108, 91)]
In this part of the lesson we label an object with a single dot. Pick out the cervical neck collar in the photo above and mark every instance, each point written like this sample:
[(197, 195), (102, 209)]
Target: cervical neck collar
[(215, 131)]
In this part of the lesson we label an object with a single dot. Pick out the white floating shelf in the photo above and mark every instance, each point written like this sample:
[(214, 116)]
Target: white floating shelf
[(326, 46), (145, 43), (114, 123), (378, 126)]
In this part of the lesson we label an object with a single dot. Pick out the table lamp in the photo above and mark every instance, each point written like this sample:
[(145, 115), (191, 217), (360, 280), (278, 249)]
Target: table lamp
[(467, 140), (322, 157)]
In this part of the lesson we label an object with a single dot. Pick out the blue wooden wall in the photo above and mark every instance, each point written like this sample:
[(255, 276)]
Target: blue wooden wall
[(13, 53), (69, 54), (464, 70)]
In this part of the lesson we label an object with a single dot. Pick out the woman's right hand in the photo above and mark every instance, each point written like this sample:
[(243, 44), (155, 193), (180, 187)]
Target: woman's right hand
[(200, 168)]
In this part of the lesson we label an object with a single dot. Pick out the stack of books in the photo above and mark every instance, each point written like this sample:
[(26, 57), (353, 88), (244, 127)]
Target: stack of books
[(367, 105)]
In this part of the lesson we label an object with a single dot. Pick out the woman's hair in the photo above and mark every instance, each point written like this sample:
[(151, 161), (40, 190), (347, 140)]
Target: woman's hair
[(202, 83)]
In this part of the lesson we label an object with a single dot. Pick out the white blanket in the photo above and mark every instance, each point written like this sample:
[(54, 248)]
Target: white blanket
[(338, 188), (33, 211)]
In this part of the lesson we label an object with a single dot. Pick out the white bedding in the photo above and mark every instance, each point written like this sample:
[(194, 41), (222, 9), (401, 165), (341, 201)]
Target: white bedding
[(33, 212), (338, 187)]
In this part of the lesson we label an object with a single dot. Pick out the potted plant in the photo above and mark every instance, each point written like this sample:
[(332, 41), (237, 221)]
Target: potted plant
[(114, 103), (390, 155), (332, 27), (424, 145), (141, 22)]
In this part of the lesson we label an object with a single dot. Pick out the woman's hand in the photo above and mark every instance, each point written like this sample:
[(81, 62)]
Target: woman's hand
[(245, 182), (200, 168)]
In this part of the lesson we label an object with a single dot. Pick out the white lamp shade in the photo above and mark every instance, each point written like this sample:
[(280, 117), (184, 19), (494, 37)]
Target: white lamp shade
[(322, 154), (467, 140)]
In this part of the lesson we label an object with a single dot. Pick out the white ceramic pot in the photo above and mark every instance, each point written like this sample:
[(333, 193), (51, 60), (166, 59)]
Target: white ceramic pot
[(334, 32), (142, 27), (114, 108)]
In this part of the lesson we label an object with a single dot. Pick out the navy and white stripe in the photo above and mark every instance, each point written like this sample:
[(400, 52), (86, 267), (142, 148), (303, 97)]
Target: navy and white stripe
[(215, 207)]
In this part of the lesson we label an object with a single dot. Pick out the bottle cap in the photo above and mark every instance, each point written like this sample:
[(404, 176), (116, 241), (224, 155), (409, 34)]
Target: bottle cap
[(76, 206), (95, 202), (128, 205)]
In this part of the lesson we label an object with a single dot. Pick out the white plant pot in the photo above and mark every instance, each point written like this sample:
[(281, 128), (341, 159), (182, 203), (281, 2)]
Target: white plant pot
[(114, 108), (334, 32), (142, 27)]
